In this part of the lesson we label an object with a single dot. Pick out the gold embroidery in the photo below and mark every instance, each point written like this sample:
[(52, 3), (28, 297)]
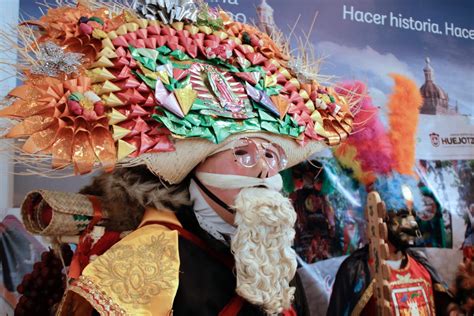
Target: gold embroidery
[(137, 274), (364, 299), (406, 279)]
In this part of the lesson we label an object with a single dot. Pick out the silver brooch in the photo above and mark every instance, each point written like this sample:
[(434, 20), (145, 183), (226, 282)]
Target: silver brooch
[(52, 60), (167, 11)]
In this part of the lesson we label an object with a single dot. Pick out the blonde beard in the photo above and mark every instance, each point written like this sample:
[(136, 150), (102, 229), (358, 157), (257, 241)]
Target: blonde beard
[(265, 263)]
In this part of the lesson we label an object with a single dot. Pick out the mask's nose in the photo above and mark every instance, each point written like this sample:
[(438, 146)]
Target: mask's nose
[(265, 170), (414, 226)]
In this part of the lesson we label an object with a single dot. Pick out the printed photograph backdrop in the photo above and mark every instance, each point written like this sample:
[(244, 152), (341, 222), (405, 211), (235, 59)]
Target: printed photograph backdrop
[(430, 42)]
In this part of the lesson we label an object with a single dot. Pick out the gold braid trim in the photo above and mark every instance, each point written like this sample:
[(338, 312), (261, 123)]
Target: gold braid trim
[(369, 291), (401, 282), (98, 299)]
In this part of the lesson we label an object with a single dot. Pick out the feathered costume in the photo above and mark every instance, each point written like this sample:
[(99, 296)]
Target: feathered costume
[(384, 162)]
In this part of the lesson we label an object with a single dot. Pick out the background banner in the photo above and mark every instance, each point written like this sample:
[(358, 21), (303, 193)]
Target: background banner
[(445, 138), (430, 43)]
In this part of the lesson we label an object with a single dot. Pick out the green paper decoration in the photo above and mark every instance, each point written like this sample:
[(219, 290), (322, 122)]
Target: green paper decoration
[(199, 122)]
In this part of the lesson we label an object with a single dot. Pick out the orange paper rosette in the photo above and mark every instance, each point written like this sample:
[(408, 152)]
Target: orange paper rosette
[(51, 127), (61, 25)]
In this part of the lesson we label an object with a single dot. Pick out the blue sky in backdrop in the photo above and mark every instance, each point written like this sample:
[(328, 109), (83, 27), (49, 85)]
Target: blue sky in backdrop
[(369, 52)]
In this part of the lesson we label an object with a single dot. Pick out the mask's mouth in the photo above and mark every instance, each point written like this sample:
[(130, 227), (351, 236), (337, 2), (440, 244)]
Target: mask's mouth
[(404, 237), (212, 196), (232, 181), (412, 232)]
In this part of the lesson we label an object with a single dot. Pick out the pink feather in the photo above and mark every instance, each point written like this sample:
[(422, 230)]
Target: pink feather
[(369, 136)]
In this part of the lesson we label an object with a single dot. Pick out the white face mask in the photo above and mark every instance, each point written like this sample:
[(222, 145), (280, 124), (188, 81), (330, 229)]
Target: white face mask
[(207, 218)]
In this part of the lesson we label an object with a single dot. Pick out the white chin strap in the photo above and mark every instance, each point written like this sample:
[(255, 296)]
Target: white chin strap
[(232, 181), (207, 218)]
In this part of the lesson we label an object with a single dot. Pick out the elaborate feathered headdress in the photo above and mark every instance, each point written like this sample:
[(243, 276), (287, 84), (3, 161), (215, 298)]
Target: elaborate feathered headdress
[(380, 160), (163, 83)]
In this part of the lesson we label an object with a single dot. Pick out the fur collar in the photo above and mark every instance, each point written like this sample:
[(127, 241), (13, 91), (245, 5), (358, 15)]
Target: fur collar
[(128, 191)]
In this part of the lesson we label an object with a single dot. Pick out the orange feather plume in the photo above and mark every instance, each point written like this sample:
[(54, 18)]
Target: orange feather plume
[(404, 107)]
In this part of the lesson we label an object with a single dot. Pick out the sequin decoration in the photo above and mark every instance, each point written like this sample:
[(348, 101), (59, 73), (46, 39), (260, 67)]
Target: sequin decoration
[(52, 60)]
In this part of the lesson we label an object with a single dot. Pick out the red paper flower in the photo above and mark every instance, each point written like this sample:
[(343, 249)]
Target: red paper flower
[(88, 105)]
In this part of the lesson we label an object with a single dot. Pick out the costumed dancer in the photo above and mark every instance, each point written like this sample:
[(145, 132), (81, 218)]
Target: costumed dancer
[(192, 115), (463, 287), (383, 162)]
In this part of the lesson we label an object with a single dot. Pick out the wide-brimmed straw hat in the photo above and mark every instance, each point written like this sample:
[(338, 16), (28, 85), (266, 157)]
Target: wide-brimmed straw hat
[(164, 83)]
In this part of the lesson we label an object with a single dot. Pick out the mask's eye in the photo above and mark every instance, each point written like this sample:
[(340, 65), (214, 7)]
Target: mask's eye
[(270, 154), (241, 152), (403, 213)]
